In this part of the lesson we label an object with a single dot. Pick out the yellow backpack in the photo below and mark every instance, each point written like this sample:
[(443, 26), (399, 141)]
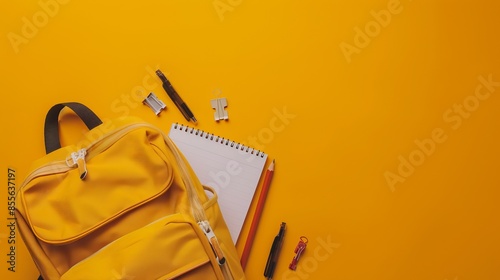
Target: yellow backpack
[(123, 205)]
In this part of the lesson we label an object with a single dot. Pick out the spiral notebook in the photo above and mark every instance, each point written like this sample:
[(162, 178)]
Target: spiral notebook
[(232, 169)]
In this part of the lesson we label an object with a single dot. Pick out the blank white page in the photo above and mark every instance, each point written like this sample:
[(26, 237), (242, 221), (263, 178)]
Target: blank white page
[(233, 170)]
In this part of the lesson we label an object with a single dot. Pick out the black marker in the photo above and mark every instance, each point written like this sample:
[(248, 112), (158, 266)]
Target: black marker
[(272, 260)]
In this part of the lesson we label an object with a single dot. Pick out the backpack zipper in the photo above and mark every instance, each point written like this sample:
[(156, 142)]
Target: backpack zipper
[(51, 168), (78, 158)]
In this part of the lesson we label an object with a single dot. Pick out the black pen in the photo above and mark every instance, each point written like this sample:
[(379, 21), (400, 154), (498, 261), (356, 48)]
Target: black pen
[(274, 253), (181, 105)]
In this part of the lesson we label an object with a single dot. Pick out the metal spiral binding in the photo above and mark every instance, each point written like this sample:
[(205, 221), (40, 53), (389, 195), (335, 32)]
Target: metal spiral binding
[(218, 139)]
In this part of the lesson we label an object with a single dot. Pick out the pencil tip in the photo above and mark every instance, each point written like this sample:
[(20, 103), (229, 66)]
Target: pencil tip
[(271, 166)]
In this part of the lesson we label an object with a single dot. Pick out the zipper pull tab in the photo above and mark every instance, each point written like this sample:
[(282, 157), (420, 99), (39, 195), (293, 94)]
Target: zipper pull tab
[(212, 239), (78, 159)]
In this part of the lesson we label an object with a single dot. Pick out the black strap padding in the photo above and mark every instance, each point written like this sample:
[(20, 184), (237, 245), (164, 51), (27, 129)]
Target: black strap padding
[(51, 129)]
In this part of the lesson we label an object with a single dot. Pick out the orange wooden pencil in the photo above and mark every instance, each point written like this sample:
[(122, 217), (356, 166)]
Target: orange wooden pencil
[(256, 216)]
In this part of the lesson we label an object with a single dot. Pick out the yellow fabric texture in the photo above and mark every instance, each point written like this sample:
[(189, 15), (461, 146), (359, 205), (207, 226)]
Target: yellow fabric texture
[(129, 217)]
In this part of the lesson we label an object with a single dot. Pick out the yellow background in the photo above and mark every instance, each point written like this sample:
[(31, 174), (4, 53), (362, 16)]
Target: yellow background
[(351, 117)]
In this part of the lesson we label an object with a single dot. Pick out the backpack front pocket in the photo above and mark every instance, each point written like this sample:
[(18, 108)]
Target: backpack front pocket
[(168, 248)]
